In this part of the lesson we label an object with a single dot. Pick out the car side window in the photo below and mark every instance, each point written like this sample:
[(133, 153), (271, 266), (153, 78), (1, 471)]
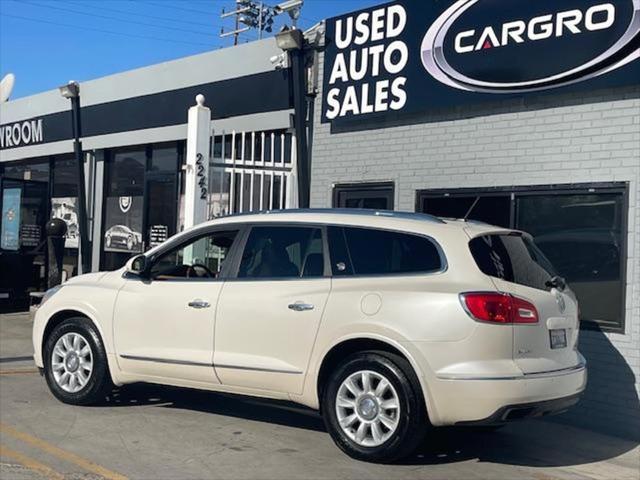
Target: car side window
[(283, 252), (367, 251), (200, 258)]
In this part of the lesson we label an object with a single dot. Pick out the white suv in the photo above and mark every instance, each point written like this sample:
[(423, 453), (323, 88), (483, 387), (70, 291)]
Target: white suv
[(388, 323)]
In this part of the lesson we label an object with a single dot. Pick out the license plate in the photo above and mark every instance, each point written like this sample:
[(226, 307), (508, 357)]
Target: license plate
[(558, 338)]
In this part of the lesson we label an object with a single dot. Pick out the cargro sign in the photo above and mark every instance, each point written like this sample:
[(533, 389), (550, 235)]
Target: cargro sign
[(411, 56)]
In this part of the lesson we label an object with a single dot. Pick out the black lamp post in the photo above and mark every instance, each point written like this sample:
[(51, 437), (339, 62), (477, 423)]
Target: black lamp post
[(72, 92), (292, 41)]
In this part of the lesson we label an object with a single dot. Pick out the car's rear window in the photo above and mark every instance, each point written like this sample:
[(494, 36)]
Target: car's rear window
[(513, 258)]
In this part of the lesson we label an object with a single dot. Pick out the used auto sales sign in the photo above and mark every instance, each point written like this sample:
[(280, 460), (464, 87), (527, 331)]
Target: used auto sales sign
[(410, 56)]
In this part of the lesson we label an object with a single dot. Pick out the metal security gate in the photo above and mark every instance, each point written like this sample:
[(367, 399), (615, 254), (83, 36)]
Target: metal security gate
[(252, 171)]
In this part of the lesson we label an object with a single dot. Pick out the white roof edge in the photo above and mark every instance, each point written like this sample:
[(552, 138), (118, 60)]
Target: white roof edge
[(202, 68)]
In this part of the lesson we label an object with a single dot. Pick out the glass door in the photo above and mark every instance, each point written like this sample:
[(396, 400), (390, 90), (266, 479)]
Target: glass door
[(160, 211), (22, 241)]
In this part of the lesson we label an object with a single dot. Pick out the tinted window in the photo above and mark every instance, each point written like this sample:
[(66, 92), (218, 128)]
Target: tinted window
[(65, 177), (198, 259), (164, 159), (494, 210), (125, 172), (584, 237), (340, 260), (370, 196), (283, 252), (366, 251), (512, 258)]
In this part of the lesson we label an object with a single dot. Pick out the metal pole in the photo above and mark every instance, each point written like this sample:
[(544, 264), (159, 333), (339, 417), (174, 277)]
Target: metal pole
[(235, 36), (300, 124), (260, 21), (85, 249)]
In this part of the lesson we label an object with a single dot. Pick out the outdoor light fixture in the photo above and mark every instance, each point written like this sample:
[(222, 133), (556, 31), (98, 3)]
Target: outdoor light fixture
[(290, 39), (70, 90)]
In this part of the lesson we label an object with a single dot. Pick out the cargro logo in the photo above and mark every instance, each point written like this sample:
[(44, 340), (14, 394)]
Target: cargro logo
[(510, 46)]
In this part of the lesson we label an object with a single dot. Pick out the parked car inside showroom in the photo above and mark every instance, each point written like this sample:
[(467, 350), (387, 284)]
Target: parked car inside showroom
[(123, 237), (388, 323)]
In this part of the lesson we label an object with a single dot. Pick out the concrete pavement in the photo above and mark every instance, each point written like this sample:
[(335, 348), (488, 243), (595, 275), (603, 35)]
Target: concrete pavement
[(150, 432)]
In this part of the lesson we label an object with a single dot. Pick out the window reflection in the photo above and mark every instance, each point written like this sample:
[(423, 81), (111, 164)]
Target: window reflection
[(581, 235)]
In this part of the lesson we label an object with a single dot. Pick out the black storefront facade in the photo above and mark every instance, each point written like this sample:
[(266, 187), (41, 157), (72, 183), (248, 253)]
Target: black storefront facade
[(134, 140), (520, 114)]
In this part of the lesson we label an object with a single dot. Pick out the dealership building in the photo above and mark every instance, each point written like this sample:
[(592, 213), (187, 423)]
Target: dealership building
[(525, 117), (134, 132)]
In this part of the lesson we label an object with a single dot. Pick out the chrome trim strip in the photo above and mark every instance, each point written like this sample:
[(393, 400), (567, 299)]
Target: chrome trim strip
[(258, 369), (525, 376), (164, 360)]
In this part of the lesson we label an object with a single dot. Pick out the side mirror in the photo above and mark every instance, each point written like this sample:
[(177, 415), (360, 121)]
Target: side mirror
[(137, 265)]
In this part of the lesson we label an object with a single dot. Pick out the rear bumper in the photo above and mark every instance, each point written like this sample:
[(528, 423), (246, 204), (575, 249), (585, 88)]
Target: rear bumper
[(526, 410), (487, 401)]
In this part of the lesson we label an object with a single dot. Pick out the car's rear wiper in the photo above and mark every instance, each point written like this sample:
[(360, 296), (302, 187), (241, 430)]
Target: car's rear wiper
[(556, 282)]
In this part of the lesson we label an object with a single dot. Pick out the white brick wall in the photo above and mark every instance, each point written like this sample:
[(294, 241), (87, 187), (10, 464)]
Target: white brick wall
[(578, 138)]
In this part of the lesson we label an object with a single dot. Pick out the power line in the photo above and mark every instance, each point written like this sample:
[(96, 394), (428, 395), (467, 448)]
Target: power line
[(82, 27), (62, 9), (178, 8), (166, 19), (145, 15), (252, 37)]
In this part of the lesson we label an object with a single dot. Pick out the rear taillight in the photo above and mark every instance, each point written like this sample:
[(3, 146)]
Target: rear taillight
[(499, 308), (523, 311)]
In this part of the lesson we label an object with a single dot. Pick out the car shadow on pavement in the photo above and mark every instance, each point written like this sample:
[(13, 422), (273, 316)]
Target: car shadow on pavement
[(610, 404), (250, 408), (534, 443), (531, 443)]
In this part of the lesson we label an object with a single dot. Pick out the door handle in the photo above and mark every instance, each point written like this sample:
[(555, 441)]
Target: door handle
[(301, 307), (199, 304)]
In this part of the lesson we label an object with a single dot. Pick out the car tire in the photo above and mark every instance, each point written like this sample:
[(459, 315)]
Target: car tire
[(399, 430), (75, 363)]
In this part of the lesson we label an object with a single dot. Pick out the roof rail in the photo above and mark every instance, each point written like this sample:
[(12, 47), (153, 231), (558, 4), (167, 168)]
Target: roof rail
[(347, 211)]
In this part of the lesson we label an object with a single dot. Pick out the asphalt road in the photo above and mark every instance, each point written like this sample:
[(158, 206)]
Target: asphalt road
[(149, 432)]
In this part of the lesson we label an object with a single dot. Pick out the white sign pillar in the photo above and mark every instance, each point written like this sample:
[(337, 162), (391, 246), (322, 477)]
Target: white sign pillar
[(197, 168)]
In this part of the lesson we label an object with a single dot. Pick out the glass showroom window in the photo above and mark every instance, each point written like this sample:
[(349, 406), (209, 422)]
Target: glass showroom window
[(24, 188), (64, 203), (581, 229), (165, 158), (123, 206)]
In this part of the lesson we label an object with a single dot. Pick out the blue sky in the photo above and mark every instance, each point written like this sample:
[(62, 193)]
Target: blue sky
[(46, 43)]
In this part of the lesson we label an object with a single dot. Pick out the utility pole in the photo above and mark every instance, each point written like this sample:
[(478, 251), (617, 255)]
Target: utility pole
[(236, 35), (253, 14), (237, 30)]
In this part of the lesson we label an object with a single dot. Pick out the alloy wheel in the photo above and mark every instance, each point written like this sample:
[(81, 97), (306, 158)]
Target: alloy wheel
[(72, 362), (368, 408)]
